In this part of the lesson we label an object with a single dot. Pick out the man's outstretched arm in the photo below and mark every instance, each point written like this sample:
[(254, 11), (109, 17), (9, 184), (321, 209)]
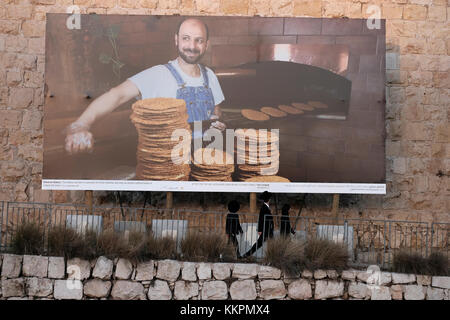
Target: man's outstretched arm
[(78, 136)]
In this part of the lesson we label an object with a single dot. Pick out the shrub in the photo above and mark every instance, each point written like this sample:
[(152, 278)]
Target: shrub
[(438, 264), (28, 239), (67, 242), (109, 244), (197, 246), (159, 248), (285, 254), (325, 254), (412, 262)]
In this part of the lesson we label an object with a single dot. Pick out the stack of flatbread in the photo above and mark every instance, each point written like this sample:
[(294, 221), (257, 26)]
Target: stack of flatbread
[(211, 164), (257, 153), (155, 121)]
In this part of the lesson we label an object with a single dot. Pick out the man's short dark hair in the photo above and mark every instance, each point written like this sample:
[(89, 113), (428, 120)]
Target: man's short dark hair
[(181, 22), (265, 196), (233, 206)]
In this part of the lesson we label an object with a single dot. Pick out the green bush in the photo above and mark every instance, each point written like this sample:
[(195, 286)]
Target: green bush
[(28, 238)]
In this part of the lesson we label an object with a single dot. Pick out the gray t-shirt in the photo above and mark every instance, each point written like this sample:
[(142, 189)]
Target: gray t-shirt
[(158, 82)]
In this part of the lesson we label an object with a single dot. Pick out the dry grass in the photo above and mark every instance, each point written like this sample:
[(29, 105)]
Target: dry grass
[(285, 254), (210, 247), (109, 244), (67, 242), (411, 262), (325, 254), (145, 246), (160, 248), (28, 239)]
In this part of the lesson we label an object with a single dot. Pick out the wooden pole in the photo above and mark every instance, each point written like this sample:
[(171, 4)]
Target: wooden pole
[(88, 196), (253, 202), (169, 200), (335, 208)]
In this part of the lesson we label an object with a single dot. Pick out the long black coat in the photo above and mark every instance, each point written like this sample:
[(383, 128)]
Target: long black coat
[(265, 221), (285, 225), (232, 225)]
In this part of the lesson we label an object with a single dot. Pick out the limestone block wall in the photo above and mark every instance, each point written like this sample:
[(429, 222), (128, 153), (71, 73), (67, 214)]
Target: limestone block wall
[(43, 278), (417, 91)]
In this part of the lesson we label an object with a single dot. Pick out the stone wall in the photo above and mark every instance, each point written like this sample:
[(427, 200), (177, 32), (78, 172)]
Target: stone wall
[(417, 107), (38, 277)]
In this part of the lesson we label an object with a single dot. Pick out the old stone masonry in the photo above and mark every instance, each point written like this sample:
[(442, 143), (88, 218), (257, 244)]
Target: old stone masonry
[(38, 277)]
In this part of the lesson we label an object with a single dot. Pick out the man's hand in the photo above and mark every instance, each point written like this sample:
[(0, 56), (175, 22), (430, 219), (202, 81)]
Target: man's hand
[(217, 124), (259, 233), (78, 139)]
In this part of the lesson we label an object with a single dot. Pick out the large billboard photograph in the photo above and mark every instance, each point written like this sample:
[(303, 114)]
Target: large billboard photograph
[(226, 104)]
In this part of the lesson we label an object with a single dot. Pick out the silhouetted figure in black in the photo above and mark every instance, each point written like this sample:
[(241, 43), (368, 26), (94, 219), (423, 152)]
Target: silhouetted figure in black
[(265, 224), (285, 224), (232, 225)]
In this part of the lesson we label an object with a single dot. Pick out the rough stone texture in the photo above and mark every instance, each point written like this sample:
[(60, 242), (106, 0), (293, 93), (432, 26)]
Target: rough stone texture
[(185, 290), (320, 274), (145, 271), (189, 272), (214, 290), (124, 268), (127, 290), (78, 269), (68, 290), (358, 290), (204, 271), (300, 290), (168, 270), (375, 278), (245, 271), (396, 292), (441, 282), (38, 287), (414, 292), (307, 274), (97, 288), (272, 289), (56, 267), (266, 272), (348, 275), (401, 278), (328, 289), (380, 293), (35, 266), (221, 271), (243, 290), (423, 280), (103, 268), (435, 294), (159, 291), (12, 265), (332, 274), (13, 287)]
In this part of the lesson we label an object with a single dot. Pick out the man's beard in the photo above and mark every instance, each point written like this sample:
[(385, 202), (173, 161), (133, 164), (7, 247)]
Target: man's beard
[(190, 60)]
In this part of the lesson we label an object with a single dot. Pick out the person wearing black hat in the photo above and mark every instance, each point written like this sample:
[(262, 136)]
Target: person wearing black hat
[(265, 224), (232, 225), (285, 224)]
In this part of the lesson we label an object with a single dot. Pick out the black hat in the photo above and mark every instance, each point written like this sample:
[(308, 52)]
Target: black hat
[(265, 196), (233, 206)]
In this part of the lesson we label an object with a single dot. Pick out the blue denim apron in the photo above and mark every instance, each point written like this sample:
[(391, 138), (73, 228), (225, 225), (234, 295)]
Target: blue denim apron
[(199, 100)]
